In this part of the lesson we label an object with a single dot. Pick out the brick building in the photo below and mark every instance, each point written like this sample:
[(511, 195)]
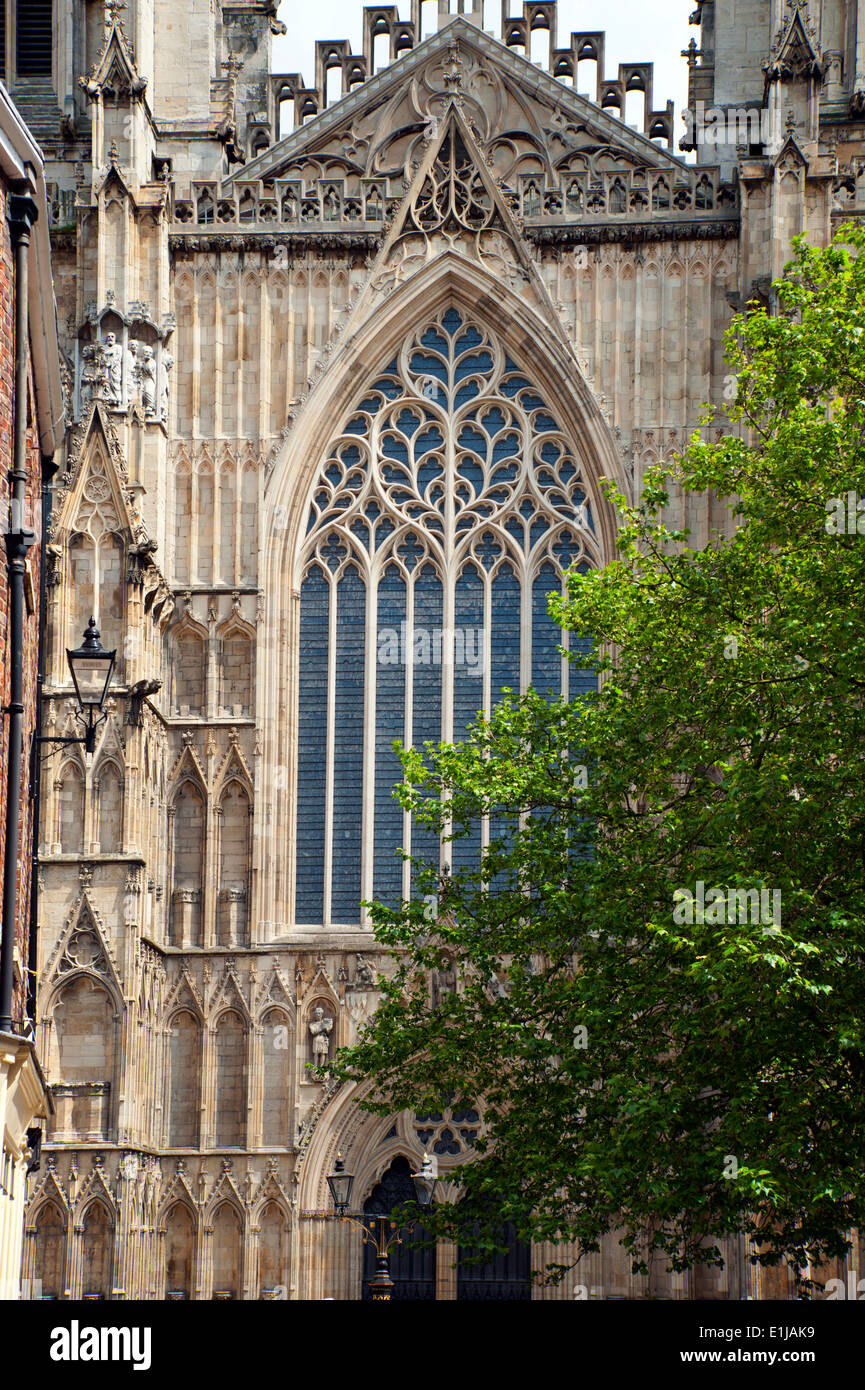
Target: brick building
[(31, 427)]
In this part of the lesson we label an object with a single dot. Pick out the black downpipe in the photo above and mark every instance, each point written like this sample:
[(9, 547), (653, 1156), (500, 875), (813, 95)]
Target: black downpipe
[(22, 212), (49, 468)]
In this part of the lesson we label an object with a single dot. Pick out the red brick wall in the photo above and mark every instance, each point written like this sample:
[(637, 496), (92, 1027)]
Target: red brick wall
[(31, 618)]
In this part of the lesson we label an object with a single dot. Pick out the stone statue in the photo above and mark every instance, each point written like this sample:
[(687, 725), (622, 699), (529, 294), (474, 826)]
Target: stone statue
[(320, 1028), (113, 356), (94, 376), (364, 971), (147, 377)]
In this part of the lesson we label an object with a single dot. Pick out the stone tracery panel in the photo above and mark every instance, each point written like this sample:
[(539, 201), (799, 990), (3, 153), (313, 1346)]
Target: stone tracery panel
[(448, 509)]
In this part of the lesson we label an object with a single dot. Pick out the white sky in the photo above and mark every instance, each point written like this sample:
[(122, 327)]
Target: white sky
[(638, 31)]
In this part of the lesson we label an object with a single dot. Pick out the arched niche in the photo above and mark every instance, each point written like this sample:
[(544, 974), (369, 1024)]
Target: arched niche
[(179, 1252), (184, 1080), (226, 1252), (277, 1042), (230, 1076)]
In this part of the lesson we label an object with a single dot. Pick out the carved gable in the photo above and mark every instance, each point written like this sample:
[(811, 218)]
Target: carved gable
[(527, 122)]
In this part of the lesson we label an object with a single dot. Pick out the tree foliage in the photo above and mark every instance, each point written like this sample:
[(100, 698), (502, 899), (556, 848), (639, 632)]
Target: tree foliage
[(718, 1085)]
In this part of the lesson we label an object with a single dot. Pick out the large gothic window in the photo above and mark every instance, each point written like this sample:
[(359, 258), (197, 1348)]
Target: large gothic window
[(446, 513)]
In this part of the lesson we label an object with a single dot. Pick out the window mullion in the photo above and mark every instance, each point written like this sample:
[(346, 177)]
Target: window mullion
[(330, 746)]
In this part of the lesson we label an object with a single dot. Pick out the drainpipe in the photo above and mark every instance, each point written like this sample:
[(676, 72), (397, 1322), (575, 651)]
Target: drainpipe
[(49, 468), (22, 213)]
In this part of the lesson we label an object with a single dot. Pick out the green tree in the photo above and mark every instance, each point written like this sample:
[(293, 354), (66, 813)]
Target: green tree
[(645, 1066)]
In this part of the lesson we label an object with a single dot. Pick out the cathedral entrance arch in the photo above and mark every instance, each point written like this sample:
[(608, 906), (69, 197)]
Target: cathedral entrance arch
[(412, 1270)]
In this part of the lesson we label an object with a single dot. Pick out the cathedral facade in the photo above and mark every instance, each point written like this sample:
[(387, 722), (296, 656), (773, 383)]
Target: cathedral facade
[(345, 366)]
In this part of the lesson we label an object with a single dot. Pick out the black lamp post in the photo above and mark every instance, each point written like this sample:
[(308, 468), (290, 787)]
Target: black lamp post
[(91, 668), (382, 1232)]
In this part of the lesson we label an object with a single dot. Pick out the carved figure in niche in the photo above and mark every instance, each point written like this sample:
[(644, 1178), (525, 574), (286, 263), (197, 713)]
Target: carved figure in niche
[(167, 364), (444, 982), (365, 972), (94, 377), (320, 1028), (113, 355), (147, 378)]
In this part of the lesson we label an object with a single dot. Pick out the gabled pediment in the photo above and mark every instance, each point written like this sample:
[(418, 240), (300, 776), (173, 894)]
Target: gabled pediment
[(796, 50), (95, 494), (453, 206), (526, 120), (84, 947), (184, 995), (114, 69)]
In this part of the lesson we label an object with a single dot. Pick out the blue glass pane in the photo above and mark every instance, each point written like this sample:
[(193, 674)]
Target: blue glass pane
[(312, 741), (348, 747), (389, 725), (427, 701), (546, 637), (580, 679), (505, 634), (468, 683), (504, 656)]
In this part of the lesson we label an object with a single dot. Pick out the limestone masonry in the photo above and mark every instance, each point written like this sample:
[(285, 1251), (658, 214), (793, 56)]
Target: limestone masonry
[(335, 365)]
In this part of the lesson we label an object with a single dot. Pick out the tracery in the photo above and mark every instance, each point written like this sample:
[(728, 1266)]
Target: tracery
[(448, 509)]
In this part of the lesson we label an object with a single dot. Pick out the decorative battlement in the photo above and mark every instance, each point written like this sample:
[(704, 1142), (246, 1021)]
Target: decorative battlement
[(329, 205), (515, 33)]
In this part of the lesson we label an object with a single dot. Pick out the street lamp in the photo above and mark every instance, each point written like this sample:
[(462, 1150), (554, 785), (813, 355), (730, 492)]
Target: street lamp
[(382, 1233), (91, 667), (424, 1184)]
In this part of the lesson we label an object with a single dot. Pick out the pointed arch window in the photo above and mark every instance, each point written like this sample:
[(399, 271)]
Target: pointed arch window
[(445, 514)]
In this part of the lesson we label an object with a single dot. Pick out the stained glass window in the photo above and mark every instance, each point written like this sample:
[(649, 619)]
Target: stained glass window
[(447, 510)]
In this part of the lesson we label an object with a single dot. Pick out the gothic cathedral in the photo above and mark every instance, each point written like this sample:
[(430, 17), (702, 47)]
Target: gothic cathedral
[(345, 365)]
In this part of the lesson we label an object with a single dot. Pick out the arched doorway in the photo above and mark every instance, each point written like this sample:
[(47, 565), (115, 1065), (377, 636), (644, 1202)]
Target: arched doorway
[(413, 1271)]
